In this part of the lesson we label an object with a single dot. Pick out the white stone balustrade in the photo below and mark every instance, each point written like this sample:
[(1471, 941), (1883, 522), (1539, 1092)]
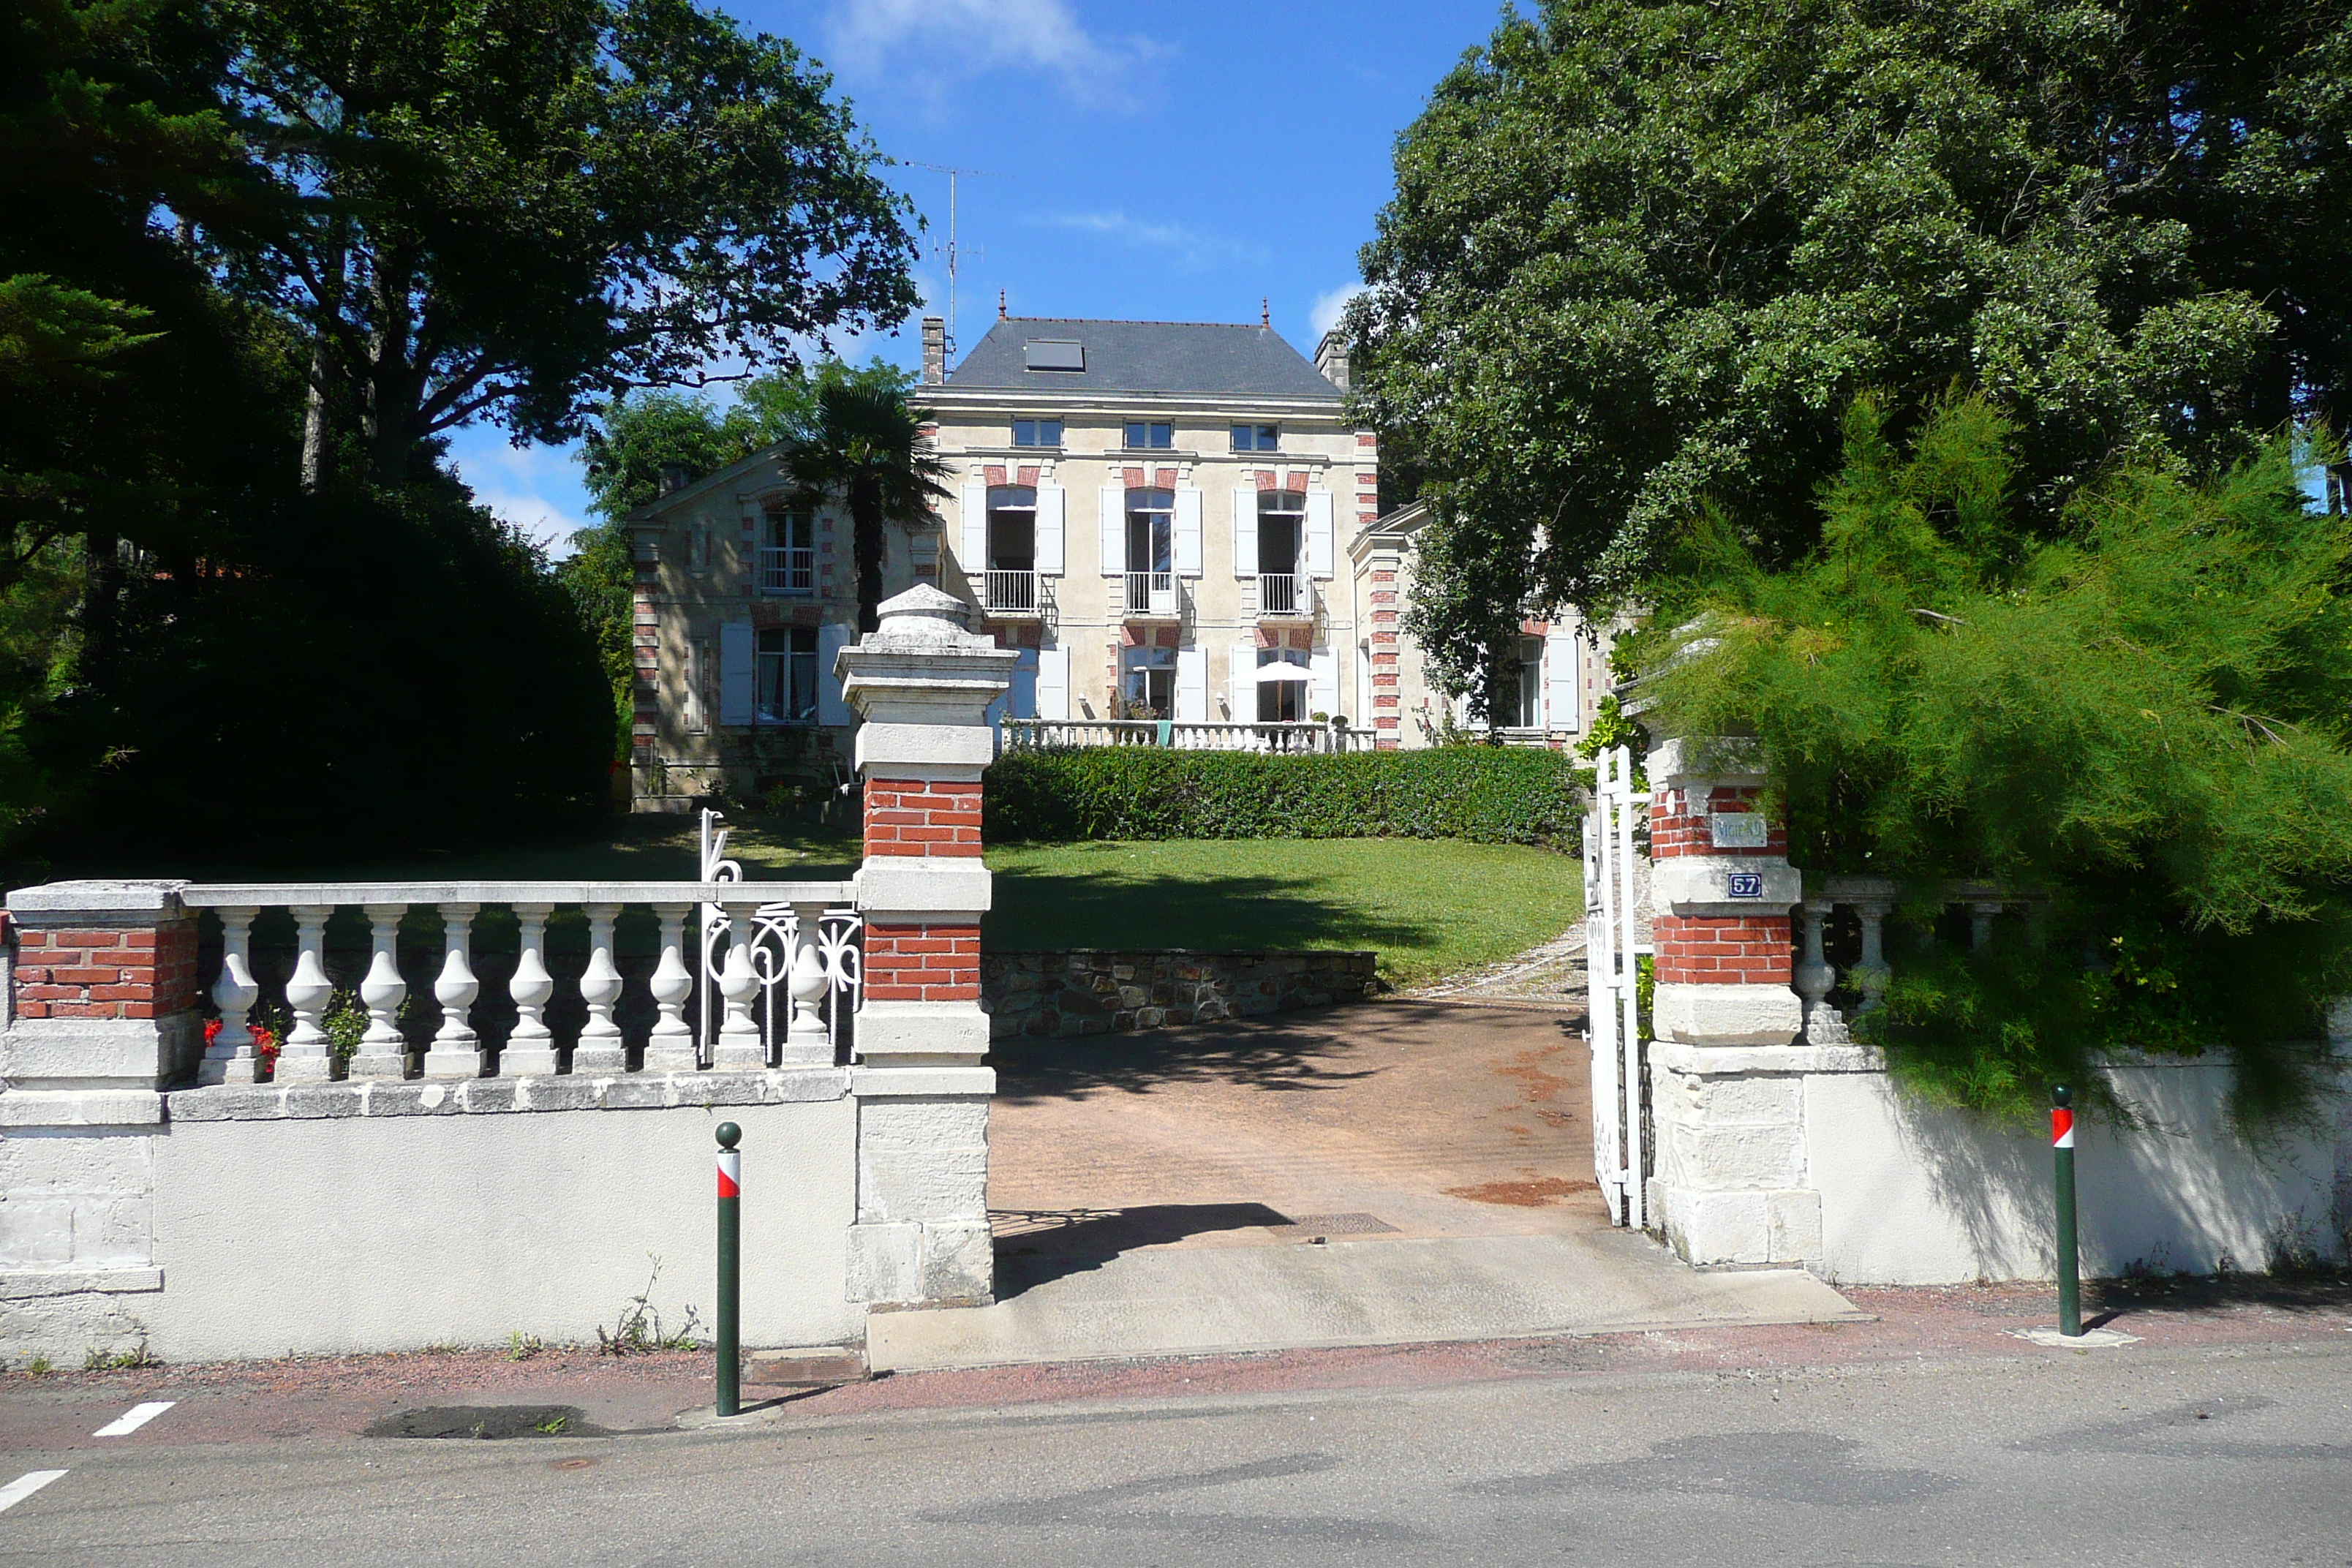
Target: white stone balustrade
[(1060, 734), (1872, 900), (787, 991)]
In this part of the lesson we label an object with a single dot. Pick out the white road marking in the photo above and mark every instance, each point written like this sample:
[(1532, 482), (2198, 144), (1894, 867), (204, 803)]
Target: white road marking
[(25, 1486), (135, 1417)]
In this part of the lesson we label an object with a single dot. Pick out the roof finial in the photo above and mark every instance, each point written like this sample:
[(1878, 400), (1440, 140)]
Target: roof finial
[(1000, 304), (1264, 315)]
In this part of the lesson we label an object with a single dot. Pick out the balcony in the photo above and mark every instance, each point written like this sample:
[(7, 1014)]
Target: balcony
[(785, 569), (1012, 595), (1285, 596), (1151, 596)]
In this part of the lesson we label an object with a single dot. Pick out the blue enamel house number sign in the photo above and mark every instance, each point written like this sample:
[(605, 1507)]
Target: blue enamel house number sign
[(1748, 884)]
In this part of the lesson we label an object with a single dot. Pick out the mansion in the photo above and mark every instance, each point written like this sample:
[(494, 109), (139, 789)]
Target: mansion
[(1169, 521)]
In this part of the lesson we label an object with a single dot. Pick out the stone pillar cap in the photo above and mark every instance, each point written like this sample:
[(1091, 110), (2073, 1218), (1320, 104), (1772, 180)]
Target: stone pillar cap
[(924, 619)]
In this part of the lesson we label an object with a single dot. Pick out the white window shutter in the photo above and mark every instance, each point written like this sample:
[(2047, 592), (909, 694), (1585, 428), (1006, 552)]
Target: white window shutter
[(1188, 533), (1049, 530), (1021, 701), (1323, 683), (1318, 532), (1245, 533), (1054, 683), (972, 553), (735, 645), (1245, 696), (1563, 700), (1191, 686), (831, 708), (1113, 530)]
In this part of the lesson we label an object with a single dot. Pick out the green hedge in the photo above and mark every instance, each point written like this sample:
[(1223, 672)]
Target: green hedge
[(1487, 795)]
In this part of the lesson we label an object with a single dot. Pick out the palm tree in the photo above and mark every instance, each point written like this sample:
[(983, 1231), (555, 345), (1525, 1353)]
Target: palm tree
[(865, 440)]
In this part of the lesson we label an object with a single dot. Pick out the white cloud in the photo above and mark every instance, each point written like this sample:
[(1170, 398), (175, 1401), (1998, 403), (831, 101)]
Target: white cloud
[(1189, 249), (537, 489), (1324, 314), (965, 38)]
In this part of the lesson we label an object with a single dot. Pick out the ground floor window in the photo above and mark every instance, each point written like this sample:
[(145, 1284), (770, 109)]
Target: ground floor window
[(1281, 701), (788, 675), (1148, 682), (1523, 688)]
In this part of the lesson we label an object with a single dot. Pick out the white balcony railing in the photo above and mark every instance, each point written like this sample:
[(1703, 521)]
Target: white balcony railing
[(1151, 596), (1285, 593), (787, 568), (1011, 594), (1056, 734)]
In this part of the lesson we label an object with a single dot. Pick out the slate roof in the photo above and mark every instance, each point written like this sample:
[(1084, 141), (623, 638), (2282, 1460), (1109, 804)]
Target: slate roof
[(1145, 356)]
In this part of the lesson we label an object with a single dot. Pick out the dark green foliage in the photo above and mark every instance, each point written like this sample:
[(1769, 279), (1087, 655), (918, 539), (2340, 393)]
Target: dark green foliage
[(2147, 719), (1644, 253), (1487, 795)]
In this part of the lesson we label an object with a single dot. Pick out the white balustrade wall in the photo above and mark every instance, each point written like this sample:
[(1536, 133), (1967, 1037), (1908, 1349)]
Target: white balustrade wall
[(1305, 739), (778, 964)]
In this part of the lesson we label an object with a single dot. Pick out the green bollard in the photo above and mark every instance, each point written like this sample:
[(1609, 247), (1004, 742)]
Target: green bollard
[(730, 1274), (2070, 1276)]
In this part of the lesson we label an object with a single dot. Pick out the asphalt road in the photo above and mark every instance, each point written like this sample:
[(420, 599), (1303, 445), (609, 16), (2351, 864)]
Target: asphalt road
[(2176, 1455)]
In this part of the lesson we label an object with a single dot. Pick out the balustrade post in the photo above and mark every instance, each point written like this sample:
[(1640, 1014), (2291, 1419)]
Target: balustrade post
[(671, 1048), (806, 1041), (740, 1047), (457, 1049), (530, 1051), (383, 1052), (229, 1059), (601, 1048), (1871, 976), (1815, 977), (305, 1054)]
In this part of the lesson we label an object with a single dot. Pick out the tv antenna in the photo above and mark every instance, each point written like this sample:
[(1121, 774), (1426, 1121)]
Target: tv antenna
[(951, 251)]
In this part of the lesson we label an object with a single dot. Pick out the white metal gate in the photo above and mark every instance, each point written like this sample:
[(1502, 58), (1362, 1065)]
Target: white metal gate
[(1613, 893)]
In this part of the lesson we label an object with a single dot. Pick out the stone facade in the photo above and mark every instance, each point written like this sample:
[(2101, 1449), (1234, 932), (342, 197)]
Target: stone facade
[(1093, 991), (1564, 663)]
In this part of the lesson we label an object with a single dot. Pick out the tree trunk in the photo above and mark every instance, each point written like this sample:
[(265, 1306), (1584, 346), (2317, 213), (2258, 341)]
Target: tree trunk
[(865, 517), (315, 431), (394, 390), (102, 608)]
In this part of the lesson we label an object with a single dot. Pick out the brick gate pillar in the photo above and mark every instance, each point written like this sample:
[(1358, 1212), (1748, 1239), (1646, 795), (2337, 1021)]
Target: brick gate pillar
[(922, 684), (1726, 1091)]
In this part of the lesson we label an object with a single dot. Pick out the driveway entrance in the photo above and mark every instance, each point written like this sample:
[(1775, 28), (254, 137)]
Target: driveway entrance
[(1386, 1173)]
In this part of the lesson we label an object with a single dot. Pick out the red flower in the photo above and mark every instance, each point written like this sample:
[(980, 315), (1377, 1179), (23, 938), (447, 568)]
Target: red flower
[(212, 1030)]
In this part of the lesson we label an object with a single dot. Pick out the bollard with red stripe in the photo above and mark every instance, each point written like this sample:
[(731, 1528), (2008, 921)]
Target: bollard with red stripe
[(2070, 1277), (730, 1281)]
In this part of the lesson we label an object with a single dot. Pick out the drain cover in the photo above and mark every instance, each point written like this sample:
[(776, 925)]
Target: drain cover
[(488, 1421), (1337, 1224)]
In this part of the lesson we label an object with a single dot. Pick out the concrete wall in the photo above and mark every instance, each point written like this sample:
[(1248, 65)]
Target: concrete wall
[(1101, 991), (256, 1220), (1811, 1155)]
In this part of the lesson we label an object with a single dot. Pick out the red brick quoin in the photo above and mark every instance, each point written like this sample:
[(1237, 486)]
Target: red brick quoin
[(1722, 950), (919, 816), (150, 972), (922, 964)]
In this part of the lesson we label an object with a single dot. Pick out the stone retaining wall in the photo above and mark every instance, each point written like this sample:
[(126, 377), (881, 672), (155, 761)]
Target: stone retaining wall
[(1105, 991)]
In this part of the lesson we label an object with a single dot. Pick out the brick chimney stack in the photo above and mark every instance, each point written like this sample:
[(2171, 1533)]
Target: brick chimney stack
[(934, 351)]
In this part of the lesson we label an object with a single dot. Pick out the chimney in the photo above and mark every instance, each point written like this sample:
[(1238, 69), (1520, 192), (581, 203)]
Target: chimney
[(675, 477), (1331, 359), (934, 351)]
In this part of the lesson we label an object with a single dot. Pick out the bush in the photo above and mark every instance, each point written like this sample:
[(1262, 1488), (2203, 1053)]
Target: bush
[(1487, 795)]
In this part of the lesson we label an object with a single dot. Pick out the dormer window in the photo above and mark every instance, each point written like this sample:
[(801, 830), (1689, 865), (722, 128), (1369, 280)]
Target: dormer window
[(1054, 353), (1036, 432)]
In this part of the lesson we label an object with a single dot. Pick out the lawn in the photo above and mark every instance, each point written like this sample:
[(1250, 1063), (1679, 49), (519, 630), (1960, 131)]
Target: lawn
[(1428, 907)]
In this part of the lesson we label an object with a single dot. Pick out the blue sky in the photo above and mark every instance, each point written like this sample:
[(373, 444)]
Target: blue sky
[(1160, 161)]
